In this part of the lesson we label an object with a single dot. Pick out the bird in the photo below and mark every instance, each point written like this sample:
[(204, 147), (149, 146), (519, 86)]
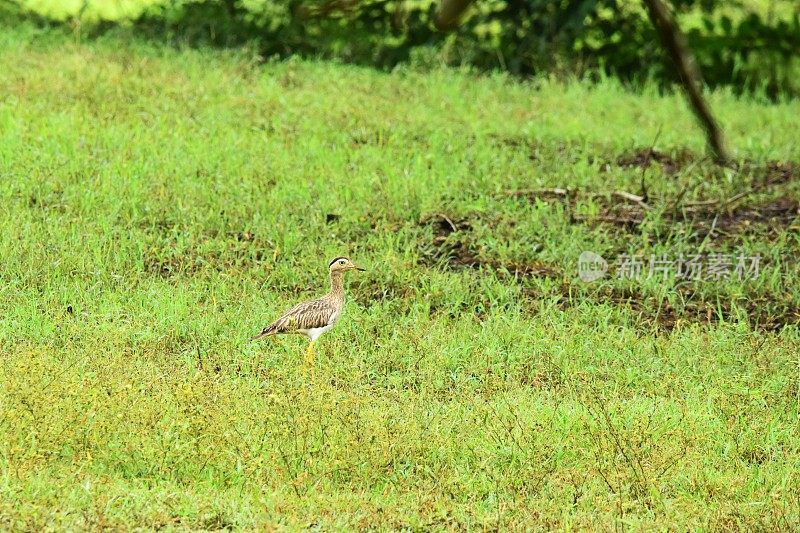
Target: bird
[(312, 318)]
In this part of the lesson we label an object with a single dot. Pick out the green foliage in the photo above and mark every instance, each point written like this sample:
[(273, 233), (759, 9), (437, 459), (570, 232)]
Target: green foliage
[(159, 206), (749, 46)]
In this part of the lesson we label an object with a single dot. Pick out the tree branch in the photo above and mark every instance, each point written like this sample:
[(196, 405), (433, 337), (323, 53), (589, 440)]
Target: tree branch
[(675, 44), (449, 14)]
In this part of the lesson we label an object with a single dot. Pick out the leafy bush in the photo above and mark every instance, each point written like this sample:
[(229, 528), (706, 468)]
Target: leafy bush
[(735, 44)]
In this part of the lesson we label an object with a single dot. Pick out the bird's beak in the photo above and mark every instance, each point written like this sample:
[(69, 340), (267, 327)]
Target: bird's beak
[(359, 268), (259, 336)]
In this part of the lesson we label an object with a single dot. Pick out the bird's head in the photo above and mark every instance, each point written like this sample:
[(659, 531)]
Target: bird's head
[(343, 264)]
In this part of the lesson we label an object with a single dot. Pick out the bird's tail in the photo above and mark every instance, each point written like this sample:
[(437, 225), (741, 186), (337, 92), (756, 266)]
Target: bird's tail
[(266, 332)]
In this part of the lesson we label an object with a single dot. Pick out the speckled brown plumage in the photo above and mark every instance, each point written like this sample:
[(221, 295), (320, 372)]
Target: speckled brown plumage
[(314, 317), (306, 315)]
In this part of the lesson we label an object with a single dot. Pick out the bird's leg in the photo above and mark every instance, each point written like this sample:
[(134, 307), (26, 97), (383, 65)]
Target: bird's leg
[(309, 359)]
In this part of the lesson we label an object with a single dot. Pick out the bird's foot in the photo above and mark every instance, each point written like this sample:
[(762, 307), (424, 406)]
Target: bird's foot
[(308, 360)]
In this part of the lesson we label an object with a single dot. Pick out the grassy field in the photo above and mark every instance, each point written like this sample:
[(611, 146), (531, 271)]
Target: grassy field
[(161, 206)]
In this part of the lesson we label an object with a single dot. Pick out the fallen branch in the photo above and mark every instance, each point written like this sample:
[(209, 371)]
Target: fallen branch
[(613, 219), (634, 198), (444, 217), (719, 203), (535, 193)]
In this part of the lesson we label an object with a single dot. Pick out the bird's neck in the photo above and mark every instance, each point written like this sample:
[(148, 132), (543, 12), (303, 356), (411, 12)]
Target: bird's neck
[(337, 284)]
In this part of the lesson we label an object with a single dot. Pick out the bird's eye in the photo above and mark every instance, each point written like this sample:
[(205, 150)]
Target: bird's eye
[(341, 262)]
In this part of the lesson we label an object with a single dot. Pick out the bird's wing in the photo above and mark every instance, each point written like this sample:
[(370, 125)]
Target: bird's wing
[(305, 315)]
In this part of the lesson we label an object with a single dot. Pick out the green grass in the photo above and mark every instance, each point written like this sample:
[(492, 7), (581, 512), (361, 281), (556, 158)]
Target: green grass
[(161, 206)]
